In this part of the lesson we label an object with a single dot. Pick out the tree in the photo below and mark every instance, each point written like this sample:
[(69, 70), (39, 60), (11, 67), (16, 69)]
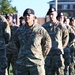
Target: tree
[(6, 8)]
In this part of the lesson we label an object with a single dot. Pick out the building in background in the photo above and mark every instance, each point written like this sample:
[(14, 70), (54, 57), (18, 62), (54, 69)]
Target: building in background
[(65, 6)]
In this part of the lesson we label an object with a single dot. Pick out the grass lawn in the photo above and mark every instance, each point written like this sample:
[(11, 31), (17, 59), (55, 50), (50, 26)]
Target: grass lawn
[(11, 73)]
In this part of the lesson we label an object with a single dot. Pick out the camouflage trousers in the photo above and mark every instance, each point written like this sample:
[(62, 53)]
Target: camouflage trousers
[(3, 61), (30, 70), (66, 70), (54, 65), (11, 59), (71, 68), (67, 60)]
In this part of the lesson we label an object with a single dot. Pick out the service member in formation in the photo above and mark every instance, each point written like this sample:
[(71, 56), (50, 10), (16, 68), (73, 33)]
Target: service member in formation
[(34, 43), (59, 36)]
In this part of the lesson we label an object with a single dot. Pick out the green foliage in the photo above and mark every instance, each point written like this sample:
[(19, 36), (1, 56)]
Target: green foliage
[(6, 8), (10, 71), (65, 14)]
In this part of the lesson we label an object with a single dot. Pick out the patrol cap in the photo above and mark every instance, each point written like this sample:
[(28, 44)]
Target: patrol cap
[(60, 14), (28, 11), (21, 17), (52, 9)]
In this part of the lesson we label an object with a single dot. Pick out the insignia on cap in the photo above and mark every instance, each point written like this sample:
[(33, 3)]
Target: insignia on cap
[(29, 11), (53, 9), (62, 14)]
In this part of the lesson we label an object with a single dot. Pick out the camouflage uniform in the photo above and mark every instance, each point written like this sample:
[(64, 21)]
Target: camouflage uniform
[(67, 57), (67, 60), (4, 38), (11, 50), (33, 42), (72, 51), (60, 37)]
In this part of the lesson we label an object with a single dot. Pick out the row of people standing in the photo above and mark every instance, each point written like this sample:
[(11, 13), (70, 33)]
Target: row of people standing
[(31, 40), (54, 63), (38, 49), (31, 36), (69, 51)]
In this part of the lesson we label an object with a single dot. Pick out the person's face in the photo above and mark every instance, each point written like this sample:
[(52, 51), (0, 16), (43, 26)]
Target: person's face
[(22, 21), (73, 23), (61, 18), (53, 15), (29, 18)]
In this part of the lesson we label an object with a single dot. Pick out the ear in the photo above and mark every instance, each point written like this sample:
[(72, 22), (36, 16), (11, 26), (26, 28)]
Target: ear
[(34, 17), (56, 14)]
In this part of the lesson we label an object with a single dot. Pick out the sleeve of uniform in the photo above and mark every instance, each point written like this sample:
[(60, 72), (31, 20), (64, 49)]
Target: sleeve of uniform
[(46, 43), (71, 35), (7, 32), (65, 37), (15, 38)]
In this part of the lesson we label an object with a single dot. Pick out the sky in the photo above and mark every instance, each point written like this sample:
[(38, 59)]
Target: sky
[(39, 6)]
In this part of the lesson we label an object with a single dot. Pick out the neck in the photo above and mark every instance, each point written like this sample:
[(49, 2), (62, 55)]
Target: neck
[(30, 23), (54, 21)]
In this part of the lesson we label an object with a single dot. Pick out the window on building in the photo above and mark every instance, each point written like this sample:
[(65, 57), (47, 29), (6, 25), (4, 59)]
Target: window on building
[(71, 6), (59, 7), (64, 7)]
